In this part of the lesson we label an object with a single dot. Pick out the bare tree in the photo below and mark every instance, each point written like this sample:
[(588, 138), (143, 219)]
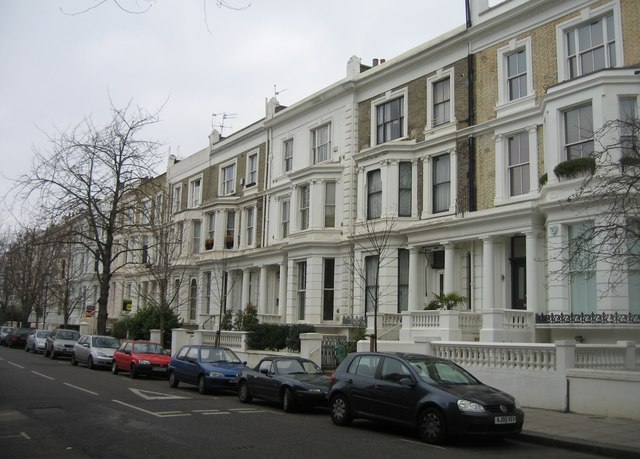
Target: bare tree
[(370, 252), (85, 177), (608, 199)]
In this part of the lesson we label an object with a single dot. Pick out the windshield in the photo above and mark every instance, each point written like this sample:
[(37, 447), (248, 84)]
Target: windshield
[(42, 333), (217, 355), (105, 341), (442, 372), (147, 348), (68, 334), (295, 366)]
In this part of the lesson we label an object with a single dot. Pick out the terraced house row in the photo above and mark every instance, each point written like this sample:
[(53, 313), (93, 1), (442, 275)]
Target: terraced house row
[(449, 151)]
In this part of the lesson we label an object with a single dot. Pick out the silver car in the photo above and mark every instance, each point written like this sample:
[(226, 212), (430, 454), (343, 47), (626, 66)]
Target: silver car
[(60, 342), (36, 341), (94, 351)]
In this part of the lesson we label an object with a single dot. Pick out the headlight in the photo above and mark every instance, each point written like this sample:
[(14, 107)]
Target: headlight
[(517, 404), (101, 354), (215, 374), (469, 407), (143, 362)]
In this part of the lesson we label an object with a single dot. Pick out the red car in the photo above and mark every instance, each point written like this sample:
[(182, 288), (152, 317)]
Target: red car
[(141, 357)]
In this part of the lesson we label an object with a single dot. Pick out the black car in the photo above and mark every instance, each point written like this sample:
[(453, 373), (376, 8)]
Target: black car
[(430, 394), (291, 381), (17, 337)]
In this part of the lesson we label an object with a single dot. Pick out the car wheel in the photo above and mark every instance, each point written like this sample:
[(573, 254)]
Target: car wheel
[(244, 395), (340, 411), (431, 426), (90, 364), (173, 380), (114, 368), (288, 401), (74, 362), (133, 373), (202, 386)]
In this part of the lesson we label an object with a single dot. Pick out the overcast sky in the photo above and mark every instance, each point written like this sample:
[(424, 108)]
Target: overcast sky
[(58, 68)]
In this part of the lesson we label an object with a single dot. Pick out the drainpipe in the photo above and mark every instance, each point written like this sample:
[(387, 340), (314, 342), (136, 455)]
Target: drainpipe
[(471, 141), (467, 10)]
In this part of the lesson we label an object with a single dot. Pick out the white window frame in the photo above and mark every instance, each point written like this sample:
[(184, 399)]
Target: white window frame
[(250, 226), (330, 206), (427, 188), (528, 99), (176, 198), (196, 236), (431, 82), (503, 185), (251, 176), (195, 191), (145, 211), (315, 147), (159, 201), (390, 96), (228, 188), (304, 214), (588, 15), (287, 155), (520, 165), (585, 140), (285, 218), (211, 225)]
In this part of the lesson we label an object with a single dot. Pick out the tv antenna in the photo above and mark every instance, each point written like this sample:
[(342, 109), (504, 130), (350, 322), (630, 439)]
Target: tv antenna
[(276, 93), (224, 117)]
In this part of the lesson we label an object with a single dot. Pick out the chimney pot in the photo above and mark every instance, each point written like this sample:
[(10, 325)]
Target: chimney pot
[(375, 62)]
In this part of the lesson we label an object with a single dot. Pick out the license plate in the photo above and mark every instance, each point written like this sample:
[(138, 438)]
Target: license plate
[(505, 420), (164, 369)]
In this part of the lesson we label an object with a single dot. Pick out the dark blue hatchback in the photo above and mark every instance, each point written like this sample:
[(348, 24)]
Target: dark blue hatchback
[(208, 367), (432, 395)]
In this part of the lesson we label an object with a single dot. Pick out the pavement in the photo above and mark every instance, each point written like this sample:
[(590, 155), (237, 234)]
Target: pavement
[(600, 435)]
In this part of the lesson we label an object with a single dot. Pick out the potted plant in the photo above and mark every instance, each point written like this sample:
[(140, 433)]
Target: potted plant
[(575, 167), (228, 242), (446, 301), (208, 244)]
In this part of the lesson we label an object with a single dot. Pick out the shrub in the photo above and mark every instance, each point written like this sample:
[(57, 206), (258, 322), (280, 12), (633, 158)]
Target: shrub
[(576, 166), (275, 337)]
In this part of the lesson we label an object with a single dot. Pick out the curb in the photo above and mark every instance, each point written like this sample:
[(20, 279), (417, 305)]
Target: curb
[(585, 446)]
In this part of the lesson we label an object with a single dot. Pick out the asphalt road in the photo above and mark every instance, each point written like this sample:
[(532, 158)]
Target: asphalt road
[(49, 408)]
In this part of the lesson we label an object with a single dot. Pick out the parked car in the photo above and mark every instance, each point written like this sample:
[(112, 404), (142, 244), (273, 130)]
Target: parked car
[(209, 367), (36, 340), (141, 357), (60, 342), (17, 337), (4, 331), (94, 351), (433, 395), (290, 381)]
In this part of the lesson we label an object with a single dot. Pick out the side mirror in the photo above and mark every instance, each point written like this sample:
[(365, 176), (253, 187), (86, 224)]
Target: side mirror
[(406, 381), (264, 371)]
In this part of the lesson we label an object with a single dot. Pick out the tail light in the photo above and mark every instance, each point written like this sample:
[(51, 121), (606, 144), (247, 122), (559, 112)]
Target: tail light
[(332, 379)]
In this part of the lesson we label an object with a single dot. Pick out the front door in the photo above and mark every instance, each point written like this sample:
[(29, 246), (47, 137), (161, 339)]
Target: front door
[(518, 273)]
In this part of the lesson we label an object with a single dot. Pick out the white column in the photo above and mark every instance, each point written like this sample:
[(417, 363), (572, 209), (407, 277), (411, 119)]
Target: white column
[(501, 169), (533, 278), (533, 157), (220, 224), (262, 291), (414, 189), (390, 188), (427, 190), (293, 210), (361, 196), (282, 290), (449, 268), (246, 279), (453, 186), (316, 202), (488, 289), (415, 284)]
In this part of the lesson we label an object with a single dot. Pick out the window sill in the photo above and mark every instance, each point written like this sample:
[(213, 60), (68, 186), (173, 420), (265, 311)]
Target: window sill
[(514, 106)]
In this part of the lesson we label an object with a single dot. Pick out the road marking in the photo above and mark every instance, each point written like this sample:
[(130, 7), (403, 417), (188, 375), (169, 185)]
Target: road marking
[(156, 395), (422, 443), (16, 365), (44, 376), (210, 412), (158, 415), (80, 388), (20, 435)]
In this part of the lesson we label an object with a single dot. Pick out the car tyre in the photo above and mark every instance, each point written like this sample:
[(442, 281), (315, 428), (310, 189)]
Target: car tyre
[(133, 374), (340, 411), (173, 380), (244, 395), (74, 362), (431, 426), (114, 368), (288, 401), (202, 386), (90, 364)]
